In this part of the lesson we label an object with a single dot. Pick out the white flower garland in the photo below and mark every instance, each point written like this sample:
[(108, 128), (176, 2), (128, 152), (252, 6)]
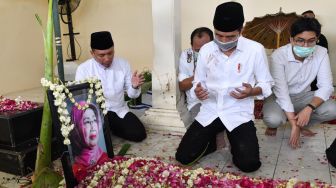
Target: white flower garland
[(61, 92)]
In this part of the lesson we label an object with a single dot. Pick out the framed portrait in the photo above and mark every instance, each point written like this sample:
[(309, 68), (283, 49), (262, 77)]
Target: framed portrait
[(90, 138)]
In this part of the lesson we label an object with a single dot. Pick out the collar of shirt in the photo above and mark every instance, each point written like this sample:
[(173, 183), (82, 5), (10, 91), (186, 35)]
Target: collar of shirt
[(102, 66)]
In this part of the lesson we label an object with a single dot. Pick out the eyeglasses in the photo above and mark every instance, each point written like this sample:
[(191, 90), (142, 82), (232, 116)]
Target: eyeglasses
[(302, 42)]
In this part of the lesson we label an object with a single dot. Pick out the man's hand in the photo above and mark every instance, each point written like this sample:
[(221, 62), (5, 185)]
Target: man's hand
[(303, 117), (241, 94), (294, 140), (137, 80), (200, 92)]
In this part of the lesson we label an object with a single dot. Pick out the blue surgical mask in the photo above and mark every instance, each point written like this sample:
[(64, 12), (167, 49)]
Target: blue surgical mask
[(226, 46), (303, 52)]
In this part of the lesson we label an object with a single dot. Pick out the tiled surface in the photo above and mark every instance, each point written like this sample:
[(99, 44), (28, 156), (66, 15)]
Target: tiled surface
[(278, 159)]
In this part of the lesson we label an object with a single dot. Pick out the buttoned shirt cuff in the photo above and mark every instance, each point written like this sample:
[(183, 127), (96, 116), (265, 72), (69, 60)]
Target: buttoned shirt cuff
[(266, 90), (323, 94), (133, 93)]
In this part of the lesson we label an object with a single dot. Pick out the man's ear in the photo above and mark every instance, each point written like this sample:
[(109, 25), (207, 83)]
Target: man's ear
[(91, 52), (291, 40)]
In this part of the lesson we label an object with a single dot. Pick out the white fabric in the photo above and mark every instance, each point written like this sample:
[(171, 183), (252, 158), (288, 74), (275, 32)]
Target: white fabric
[(186, 70), (115, 81), (294, 77), (220, 74)]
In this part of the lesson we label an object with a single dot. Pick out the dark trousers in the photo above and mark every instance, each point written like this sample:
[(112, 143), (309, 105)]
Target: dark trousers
[(331, 154), (129, 127), (199, 141)]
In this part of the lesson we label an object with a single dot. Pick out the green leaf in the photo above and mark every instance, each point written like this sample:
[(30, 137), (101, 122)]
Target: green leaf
[(124, 149)]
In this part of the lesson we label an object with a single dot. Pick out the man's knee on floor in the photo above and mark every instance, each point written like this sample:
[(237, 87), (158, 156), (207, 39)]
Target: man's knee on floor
[(273, 120), (184, 157), (330, 109), (248, 164), (138, 137)]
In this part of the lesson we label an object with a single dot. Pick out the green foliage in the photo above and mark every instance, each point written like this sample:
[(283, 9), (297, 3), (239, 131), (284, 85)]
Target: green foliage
[(45, 177), (124, 149), (147, 75)]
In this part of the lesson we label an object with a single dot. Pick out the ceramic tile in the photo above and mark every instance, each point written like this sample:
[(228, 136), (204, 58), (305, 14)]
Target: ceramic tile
[(302, 174), (330, 132), (12, 181), (303, 159), (269, 149), (307, 144), (215, 160), (265, 171), (333, 175)]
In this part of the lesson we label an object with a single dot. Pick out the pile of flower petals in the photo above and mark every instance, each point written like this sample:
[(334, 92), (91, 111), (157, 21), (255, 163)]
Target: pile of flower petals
[(139, 172), (9, 105)]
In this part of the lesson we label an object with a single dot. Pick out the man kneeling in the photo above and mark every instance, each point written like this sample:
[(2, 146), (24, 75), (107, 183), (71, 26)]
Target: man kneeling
[(230, 72)]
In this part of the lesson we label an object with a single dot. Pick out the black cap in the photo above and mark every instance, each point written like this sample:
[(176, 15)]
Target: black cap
[(101, 40), (228, 17)]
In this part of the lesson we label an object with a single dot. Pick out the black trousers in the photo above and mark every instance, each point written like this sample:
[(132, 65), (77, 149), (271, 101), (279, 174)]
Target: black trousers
[(198, 141), (129, 127), (331, 154)]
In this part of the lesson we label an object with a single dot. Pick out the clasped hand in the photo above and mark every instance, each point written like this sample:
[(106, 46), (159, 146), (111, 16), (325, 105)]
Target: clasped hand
[(202, 93), (242, 93)]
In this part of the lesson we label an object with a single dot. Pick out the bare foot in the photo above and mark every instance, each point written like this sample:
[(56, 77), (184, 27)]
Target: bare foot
[(307, 132), (270, 131)]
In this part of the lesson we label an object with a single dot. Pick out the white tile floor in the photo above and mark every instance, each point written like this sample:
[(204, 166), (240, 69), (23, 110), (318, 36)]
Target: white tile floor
[(278, 159)]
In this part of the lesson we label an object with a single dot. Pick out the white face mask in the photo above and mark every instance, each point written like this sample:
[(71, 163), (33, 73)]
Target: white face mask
[(226, 46)]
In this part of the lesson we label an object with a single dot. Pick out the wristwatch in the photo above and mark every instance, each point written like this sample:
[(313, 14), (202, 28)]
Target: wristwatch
[(312, 107)]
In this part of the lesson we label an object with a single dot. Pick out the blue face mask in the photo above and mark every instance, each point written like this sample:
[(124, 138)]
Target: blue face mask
[(226, 46), (303, 51)]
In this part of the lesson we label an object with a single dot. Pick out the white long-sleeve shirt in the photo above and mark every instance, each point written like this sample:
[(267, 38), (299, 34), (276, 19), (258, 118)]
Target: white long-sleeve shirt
[(292, 76), (220, 74), (115, 81), (186, 70)]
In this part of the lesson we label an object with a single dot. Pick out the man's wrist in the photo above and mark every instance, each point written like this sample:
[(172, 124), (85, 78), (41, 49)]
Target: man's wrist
[(312, 107), (135, 87)]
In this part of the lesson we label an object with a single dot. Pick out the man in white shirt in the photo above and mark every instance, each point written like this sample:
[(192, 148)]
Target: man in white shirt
[(187, 65), (116, 78), (230, 72), (294, 67)]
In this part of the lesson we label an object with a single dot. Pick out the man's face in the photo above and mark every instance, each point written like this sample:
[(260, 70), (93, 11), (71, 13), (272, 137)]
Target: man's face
[(104, 57), (227, 36), (90, 128), (199, 41), (305, 39)]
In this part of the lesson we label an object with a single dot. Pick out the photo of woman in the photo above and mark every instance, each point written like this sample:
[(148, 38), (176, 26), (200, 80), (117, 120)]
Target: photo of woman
[(84, 139)]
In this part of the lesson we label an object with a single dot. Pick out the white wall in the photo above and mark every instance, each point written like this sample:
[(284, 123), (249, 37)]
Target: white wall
[(130, 22), (21, 50)]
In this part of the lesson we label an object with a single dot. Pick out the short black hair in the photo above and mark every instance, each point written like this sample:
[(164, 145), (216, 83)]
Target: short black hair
[(308, 11), (199, 32), (305, 24)]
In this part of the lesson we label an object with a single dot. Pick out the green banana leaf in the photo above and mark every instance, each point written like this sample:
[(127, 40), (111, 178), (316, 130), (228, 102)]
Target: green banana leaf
[(44, 176)]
